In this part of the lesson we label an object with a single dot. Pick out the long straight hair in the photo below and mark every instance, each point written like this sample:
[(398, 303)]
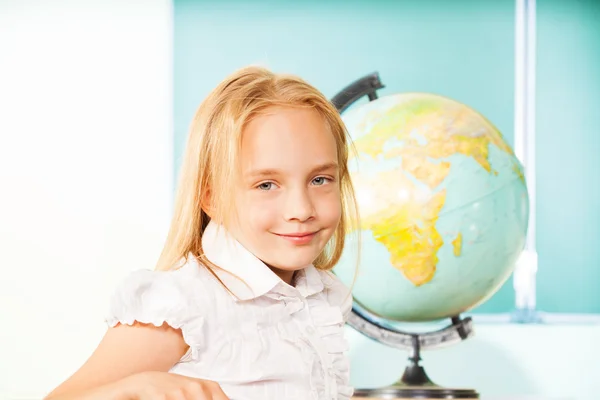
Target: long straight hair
[(212, 152)]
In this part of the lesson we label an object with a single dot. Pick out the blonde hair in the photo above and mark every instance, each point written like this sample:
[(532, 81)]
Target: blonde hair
[(211, 159)]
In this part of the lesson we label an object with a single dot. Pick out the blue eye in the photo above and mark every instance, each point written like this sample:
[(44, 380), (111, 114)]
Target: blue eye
[(320, 180), (265, 186)]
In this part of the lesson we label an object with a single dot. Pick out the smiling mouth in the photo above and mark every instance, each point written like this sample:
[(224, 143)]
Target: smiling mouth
[(300, 237), (296, 235)]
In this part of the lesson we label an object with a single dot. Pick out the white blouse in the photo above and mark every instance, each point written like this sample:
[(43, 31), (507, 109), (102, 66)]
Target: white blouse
[(274, 341)]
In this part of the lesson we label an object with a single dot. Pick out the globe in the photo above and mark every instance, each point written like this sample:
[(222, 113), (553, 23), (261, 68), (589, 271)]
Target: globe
[(443, 208)]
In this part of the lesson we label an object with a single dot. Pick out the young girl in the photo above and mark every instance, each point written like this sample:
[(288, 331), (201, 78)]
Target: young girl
[(242, 304)]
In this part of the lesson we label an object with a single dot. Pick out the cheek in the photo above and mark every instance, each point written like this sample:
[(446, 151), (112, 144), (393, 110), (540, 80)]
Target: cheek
[(257, 214), (330, 209)]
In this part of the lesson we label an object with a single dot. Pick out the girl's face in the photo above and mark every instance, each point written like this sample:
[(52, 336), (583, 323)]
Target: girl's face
[(288, 201)]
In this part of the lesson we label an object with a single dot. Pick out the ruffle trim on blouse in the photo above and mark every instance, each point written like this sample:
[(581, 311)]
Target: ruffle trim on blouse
[(329, 322), (158, 297)]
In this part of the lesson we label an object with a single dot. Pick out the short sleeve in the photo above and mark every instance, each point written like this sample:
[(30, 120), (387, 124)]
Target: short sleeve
[(158, 297)]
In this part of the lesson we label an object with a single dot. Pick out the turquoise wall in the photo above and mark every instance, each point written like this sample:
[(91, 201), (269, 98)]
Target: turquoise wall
[(568, 161), (462, 49)]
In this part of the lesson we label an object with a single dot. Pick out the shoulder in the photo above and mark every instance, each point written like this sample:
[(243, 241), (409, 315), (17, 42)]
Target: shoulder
[(338, 294), (150, 296), (181, 298)]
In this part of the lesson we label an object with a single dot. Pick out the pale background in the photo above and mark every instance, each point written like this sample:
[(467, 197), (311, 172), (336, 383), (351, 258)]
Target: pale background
[(85, 173), (87, 159)]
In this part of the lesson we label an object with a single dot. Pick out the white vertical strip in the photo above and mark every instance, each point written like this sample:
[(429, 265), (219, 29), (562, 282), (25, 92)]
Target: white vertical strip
[(519, 124), (530, 122), (524, 278), (524, 125)]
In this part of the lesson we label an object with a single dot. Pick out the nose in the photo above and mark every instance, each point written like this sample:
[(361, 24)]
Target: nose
[(299, 206)]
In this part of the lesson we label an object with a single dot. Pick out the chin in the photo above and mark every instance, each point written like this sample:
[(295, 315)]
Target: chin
[(291, 263)]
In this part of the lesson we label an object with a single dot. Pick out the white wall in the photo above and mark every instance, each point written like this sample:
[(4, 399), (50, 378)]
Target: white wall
[(85, 173)]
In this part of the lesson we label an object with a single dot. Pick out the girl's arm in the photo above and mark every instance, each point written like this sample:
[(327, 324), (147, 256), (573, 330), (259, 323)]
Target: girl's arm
[(120, 367)]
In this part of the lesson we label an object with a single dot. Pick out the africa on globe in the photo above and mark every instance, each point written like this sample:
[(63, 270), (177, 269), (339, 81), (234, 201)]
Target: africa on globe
[(443, 206)]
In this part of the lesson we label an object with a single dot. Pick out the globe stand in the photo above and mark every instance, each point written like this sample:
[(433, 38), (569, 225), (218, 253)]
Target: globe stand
[(414, 383), (365, 86)]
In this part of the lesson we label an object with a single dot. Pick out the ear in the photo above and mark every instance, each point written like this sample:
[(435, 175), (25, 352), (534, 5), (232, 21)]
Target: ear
[(206, 203)]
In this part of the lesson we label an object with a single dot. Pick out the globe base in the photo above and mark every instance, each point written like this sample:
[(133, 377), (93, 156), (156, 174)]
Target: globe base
[(421, 393), (414, 383)]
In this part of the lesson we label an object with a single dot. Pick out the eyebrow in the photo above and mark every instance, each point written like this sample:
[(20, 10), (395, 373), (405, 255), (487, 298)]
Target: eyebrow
[(271, 172)]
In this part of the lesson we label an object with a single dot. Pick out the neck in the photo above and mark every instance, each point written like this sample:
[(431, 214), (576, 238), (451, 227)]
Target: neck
[(286, 276)]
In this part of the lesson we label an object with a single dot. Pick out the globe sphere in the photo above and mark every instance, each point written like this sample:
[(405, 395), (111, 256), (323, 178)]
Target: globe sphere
[(443, 207)]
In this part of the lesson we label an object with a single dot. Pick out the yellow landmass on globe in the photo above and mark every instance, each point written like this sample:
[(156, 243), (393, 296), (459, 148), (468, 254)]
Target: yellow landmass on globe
[(431, 129), (517, 170), (457, 244), (403, 221), (371, 117), (426, 130)]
